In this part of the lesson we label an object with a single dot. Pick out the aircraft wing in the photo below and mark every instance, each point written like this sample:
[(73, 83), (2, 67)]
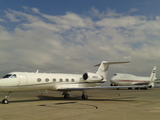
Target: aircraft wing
[(98, 87), (141, 83), (146, 83), (157, 81)]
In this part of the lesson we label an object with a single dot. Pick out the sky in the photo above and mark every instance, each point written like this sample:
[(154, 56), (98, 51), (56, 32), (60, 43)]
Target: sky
[(71, 36)]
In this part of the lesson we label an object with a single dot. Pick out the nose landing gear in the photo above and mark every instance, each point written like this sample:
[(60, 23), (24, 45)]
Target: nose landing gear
[(5, 100)]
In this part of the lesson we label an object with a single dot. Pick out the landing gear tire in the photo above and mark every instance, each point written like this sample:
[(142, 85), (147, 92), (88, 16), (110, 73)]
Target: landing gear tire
[(5, 101), (84, 97), (66, 96), (136, 88), (150, 86), (144, 88)]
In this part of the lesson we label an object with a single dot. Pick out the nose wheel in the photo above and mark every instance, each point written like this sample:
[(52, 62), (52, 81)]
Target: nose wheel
[(5, 101)]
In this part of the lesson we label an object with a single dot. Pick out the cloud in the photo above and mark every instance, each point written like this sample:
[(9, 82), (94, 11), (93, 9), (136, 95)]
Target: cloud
[(121, 22), (133, 10), (70, 20), (2, 20), (17, 16), (73, 43), (108, 13), (12, 17)]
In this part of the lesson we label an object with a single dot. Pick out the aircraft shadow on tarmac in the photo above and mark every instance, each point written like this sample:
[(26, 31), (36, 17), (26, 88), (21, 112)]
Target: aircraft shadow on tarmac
[(75, 98), (42, 97)]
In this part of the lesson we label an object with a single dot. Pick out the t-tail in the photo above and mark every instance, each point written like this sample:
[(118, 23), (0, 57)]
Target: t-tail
[(103, 68), (152, 77)]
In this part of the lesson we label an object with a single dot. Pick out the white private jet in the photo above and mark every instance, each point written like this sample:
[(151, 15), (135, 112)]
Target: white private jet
[(27, 81), (121, 79)]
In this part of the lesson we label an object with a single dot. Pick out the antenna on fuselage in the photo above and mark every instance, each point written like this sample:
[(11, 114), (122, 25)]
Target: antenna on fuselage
[(37, 71)]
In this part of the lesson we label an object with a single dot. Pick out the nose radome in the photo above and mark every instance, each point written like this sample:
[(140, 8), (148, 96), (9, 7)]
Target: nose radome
[(113, 79)]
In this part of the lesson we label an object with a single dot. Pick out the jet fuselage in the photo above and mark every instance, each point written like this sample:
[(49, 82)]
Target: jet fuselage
[(24, 81)]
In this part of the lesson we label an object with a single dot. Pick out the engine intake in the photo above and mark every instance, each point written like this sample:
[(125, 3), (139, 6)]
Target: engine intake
[(85, 76), (92, 77)]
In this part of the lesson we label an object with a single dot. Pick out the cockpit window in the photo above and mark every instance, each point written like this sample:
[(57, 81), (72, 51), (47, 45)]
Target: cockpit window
[(7, 76), (10, 76), (115, 74), (13, 76)]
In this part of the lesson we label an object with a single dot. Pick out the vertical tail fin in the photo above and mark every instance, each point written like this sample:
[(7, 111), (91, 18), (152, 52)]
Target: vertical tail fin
[(152, 77), (103, 68)]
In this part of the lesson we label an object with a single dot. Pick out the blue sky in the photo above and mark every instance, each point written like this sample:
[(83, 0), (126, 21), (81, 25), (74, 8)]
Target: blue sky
[(60, 7), (72, 35)]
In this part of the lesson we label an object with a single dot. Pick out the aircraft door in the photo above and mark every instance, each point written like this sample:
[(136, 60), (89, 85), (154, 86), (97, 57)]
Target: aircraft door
[(22, 81)]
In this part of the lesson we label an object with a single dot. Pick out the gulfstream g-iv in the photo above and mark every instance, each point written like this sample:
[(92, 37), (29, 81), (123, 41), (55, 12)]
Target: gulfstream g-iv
[(27, 81)]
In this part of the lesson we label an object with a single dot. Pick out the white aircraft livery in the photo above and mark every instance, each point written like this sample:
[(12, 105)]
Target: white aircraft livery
[(121, 79), (27, 81)]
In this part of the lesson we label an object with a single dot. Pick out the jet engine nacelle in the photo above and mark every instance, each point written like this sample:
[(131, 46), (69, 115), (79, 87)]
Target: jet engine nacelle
[(150, 86), (92, 77)]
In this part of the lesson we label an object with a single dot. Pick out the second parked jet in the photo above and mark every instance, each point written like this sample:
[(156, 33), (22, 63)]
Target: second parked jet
[(121, 79)]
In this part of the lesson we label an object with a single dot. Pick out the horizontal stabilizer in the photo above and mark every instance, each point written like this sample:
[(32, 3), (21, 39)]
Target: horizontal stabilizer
[(105, 62), (103, 68)]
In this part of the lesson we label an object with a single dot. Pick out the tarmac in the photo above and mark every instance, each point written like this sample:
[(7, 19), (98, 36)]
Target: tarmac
[(104, 104)]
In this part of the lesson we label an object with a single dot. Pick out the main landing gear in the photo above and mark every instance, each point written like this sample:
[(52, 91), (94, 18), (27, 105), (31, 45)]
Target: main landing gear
[(5, 100), (84, 95), (66, 95)]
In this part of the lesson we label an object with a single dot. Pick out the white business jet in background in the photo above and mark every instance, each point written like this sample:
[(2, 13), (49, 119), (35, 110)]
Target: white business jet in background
[(121, 79), (27, 81)]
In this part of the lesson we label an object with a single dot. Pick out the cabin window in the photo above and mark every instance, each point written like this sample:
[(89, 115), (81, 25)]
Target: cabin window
[(39, 79), (72, 80), (46, 79), (81, 79), (67, 79), (54, 80), (60, 80), (7, 76)]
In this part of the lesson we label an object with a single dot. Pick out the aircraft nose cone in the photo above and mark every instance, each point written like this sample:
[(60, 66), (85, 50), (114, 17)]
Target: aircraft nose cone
[(113, 79)]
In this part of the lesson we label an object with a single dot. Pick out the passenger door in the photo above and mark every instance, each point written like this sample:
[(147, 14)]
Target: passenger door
[(22, 81)]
